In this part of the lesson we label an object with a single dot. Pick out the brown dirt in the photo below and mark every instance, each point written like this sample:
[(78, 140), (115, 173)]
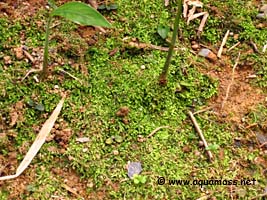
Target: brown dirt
[(242, 97)]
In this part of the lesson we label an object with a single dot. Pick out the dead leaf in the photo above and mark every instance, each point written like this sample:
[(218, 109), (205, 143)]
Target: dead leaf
[(37, 144)]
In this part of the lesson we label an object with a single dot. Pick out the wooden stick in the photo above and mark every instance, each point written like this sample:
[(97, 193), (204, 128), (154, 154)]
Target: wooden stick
[(200, 135), (254, 46), (156, 130), (202, 23), (234, 46), (65, 72), (185, 6), (219, 54), (263, 144), (232, 80), (28, 55), (29, 72), (151, 46), (203, 110)]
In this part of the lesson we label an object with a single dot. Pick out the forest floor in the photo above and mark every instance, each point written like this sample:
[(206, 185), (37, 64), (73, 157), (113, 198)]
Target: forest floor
[(114, 103)]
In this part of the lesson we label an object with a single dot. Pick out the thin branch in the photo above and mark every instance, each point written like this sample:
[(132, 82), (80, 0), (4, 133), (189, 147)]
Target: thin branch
[(232, 80), (156, 130), (219, 54), (202, 23), (29, 72), (254, 46), (149, 46), (201, 135), (28, 55), (263, 144), (65, 72), (203, 110), (234, 46)]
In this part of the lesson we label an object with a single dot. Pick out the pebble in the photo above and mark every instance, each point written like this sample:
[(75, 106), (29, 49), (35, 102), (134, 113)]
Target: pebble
[(200, 143), (195, 47), (115, 152), (143, 67), (207, 54)]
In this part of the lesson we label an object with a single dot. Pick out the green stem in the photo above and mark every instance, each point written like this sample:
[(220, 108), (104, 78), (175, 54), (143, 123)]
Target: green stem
[(164, 73), (45, 59)]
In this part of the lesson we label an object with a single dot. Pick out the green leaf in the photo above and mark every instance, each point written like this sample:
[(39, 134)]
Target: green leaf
[(213, 147), (39, 107), (136, 181), (143, 179), (109, 141), (118, 139), (163, 31), (52, 4), (81, 13), (31, 103), (112, 7), (102, 7)]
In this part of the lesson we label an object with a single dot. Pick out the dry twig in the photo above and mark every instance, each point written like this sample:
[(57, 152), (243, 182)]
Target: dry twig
[(234, 46), (254, 46), (219, 54), (232, 80), (203, 110), (150, 46), (200, 135), (65, 72), (28, 55), (202, 24), (156, 130), (29, 72), (185, 8), (69, 189)]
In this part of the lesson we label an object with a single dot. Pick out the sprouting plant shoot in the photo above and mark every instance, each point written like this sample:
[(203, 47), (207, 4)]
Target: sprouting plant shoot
[(164, 73), (76, 12)]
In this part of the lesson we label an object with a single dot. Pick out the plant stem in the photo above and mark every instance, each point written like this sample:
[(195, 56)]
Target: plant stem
[(45, 59), (164, 73)]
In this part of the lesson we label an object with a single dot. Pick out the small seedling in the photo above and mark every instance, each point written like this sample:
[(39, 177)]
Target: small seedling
[(76, 12), (164, 73), (163, 31), (35, 105), (139, 179), (108, 7)]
